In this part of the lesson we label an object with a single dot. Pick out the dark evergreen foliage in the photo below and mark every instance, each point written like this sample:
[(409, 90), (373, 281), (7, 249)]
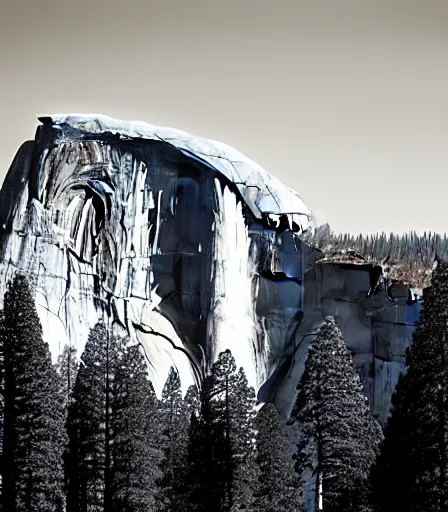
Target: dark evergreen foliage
[(192, 402), (278, 485), (67, 368), (242, 422), (135, 454), (407, 247), (207, 455), (220, 441), (412, 471), (232, 403), (87, 425), (2, 405), (411, 256), (221, 384), (173, 420), (33, 436), (127, 451), (339, 436), (199, 463), (112, 458)]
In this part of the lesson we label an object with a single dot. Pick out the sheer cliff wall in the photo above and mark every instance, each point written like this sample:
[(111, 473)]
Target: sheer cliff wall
[(190, 248)]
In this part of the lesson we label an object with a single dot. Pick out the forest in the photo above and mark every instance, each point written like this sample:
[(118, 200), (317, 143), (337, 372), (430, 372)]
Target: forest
[(406, 257), (89, 434)]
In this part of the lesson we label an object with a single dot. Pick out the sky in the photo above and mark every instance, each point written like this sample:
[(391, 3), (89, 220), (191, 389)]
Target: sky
[(344, 101)]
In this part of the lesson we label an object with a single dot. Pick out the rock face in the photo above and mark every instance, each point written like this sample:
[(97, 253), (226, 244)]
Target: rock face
[(190, 248), (376, 326)]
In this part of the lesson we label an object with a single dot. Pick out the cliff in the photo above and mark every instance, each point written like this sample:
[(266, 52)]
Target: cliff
[(191, 248)]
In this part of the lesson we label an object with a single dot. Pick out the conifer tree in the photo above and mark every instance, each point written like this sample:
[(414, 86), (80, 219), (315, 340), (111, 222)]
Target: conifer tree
[(88, 460), (340, 437), (412, 470), (194, 455), (33, 435), (2, 405), (112, 459), (222, 406), (278, 485), (192, 402), (186, 476), (242, 435), (204, 480), (67, 368), (173, 420), (135, 455), (221, 445)]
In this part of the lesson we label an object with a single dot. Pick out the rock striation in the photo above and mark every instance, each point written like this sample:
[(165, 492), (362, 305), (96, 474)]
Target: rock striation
[(190, 248)]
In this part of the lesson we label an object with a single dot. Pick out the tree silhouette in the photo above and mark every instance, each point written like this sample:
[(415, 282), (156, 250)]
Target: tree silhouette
[(33, 435), (411, 472), (339, 436)]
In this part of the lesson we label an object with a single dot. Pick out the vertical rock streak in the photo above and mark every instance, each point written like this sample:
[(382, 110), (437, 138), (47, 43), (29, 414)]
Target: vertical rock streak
[(190, 247), (233, 323)]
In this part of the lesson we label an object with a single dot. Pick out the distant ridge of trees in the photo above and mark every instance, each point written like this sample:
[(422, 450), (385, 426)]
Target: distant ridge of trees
[(409, 257)]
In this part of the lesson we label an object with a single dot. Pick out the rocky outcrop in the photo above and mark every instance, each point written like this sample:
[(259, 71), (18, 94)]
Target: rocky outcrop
[(190, 248), (377, 328)]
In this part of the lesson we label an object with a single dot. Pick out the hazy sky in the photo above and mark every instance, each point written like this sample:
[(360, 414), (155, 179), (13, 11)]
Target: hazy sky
[(345, 101)]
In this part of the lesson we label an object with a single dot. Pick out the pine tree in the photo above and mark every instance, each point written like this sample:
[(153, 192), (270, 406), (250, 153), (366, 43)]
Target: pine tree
[(67, 368), (412, 470), (204, 481), (192, 402), (33, 435), (220, 445), (112, 457), (135, 455), (88, 475), (411, 255), (187, 477), (340, 437), (242, 436), (2, 406), (278, 485), (173, 420), (222, 405)]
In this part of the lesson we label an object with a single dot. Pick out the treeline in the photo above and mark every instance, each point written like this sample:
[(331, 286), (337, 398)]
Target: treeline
[(411, 254), (411, 473), (409, 246), (94, 436), (406, 467)]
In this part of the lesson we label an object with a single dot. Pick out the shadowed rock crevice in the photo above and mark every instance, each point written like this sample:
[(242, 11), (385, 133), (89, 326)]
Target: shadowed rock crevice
[(192, 249)]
